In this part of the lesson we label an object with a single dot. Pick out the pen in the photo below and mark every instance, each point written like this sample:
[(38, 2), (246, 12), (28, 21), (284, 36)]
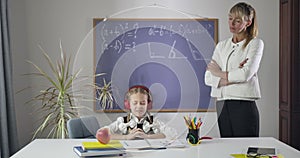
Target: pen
[(126, 143), (151, 148), (147, 141)]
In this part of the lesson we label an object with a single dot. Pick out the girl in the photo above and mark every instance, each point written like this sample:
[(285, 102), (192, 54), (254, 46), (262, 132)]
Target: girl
[(138, 123), (232, 75)]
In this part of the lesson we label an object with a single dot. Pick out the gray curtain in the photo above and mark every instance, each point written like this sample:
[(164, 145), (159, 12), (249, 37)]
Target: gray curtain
[(8, 130)]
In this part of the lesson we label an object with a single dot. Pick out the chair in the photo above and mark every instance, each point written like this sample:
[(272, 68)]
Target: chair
[(83, 127)]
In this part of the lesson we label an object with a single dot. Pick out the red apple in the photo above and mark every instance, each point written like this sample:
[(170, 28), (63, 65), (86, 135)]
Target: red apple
[(103, 135)]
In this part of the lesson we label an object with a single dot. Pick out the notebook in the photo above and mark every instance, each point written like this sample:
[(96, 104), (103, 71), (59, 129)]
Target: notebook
[(98, 152), (97, 145)]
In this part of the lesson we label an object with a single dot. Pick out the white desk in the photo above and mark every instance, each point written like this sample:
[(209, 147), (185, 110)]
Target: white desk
[(216, 148)]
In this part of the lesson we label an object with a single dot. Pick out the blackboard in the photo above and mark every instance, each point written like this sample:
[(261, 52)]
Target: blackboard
[(167, 55)]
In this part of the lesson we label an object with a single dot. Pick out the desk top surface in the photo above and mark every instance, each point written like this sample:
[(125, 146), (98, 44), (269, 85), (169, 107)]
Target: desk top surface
[(217, 147)]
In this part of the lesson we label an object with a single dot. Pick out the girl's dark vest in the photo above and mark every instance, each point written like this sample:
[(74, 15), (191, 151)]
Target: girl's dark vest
[(139, 125)]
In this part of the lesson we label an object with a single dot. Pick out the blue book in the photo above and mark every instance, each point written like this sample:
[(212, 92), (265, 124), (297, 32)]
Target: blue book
[(98, 152)]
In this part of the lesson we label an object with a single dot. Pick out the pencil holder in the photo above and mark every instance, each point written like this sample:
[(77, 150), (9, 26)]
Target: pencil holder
[(193, 136)]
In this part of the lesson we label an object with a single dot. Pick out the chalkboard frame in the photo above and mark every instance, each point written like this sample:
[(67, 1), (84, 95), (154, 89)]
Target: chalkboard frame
[(215, 38)]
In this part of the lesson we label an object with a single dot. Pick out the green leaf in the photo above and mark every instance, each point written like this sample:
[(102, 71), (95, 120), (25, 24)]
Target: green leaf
[(56, 101)]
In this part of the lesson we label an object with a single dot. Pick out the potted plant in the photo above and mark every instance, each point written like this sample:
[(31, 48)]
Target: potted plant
[(104, 95), (56, 101)]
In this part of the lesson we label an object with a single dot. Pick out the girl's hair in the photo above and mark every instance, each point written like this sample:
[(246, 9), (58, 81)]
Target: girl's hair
[(138, 89), (245, 10)]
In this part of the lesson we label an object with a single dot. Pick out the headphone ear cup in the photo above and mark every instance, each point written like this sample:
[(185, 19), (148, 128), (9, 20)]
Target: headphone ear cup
[(149, 101), (126, 104), (149, 105)]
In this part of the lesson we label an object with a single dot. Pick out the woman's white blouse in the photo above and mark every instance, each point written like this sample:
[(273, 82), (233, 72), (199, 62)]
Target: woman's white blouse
[(228, 56)]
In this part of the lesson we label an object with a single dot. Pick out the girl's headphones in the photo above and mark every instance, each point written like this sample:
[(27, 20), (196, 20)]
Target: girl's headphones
[(127, 95)]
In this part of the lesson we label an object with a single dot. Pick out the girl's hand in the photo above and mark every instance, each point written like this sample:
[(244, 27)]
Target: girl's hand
[(136, 133), (141, 135), (135, 130)]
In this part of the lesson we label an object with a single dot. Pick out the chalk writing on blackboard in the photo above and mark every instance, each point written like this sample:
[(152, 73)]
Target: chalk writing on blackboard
[(171, 53)]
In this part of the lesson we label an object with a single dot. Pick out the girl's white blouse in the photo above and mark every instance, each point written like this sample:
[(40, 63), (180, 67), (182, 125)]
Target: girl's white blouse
[(117, 127)]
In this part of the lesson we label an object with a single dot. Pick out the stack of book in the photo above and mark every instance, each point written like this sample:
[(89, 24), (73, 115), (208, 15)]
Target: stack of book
[(95, 148)]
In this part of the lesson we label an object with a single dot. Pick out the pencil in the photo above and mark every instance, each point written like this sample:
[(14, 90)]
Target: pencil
[(186, 122), (193, 124)]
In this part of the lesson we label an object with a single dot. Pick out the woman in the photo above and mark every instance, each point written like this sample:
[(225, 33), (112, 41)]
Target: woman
[(232, 75)]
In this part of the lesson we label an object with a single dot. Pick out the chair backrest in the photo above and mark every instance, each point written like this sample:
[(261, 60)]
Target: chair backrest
[(83, 127)]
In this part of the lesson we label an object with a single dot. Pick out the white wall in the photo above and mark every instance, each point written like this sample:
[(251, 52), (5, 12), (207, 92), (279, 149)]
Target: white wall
[(46, 22)]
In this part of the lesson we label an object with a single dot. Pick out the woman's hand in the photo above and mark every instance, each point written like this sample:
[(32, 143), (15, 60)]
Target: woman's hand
[(243, 63), (223, 82), (214, 68)]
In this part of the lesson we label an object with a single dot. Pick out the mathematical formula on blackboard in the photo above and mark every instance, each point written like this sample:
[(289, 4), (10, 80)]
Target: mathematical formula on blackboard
[(167, 55)]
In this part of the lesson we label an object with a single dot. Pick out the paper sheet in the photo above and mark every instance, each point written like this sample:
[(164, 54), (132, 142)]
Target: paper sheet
[(154, 143)]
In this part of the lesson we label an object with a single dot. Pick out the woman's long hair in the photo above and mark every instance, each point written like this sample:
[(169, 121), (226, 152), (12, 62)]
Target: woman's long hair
[(247, 12)]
